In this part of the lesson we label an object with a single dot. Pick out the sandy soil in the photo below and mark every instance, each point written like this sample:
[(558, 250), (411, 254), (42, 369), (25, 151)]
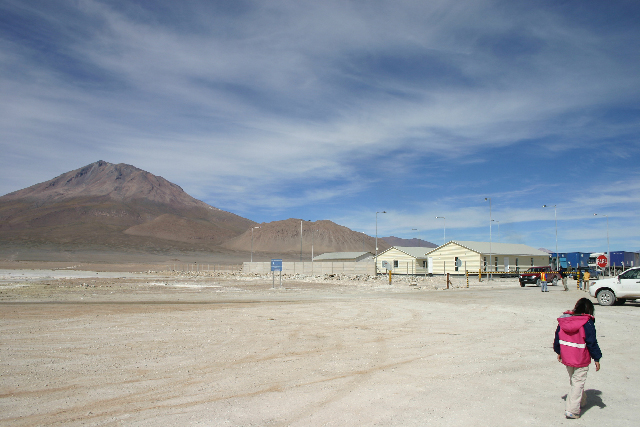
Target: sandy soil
[(226, 349)]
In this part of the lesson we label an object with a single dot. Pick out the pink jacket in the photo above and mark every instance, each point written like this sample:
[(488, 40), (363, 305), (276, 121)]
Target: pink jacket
[(571, 335)]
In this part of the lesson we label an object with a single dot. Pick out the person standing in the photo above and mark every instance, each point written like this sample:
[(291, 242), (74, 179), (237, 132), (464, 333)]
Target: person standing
[(543, 282), (576, 344), (587, 276), (579, 282)]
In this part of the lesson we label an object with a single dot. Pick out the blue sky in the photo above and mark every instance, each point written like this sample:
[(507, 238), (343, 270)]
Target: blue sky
[(339, 109)]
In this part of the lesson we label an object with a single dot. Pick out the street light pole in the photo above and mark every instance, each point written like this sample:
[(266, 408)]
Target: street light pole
[(497, 222), (252, 242), (490, 264), (312, 233), (608, 250), (301, 240), (555, 214), (377, 239), (444, 233)]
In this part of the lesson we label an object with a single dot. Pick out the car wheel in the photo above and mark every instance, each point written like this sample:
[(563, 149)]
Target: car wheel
[(606, 297), (555, 281), (522, 284), (620, 301), (539, 282)]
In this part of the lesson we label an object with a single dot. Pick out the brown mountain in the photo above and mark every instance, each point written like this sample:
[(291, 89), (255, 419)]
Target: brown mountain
[(114, 205), (398, 241), (284, 237)]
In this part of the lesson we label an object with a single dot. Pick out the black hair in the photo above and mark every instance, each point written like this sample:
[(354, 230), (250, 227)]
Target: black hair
[(583, 306)]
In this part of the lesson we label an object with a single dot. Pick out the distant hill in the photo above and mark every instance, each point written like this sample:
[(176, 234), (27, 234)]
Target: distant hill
[(397, 241), (120, 208), (284, 237), (114, 205)]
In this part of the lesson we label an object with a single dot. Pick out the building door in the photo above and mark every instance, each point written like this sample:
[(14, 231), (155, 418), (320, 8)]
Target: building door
[(506, 263), (430, 265)]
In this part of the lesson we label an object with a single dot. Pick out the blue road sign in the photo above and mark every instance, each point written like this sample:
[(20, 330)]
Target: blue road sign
[(276, 265)]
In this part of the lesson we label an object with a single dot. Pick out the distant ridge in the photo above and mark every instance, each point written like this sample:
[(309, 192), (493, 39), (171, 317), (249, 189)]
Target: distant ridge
[(284, 237), (397, 241), (116, 205)]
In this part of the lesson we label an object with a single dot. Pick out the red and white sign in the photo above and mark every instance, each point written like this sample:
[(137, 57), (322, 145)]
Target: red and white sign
[(602, 261)]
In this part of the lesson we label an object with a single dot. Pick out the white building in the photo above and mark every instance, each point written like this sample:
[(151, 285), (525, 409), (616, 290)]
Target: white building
[(472, 256), (483, 256), (403, 260)]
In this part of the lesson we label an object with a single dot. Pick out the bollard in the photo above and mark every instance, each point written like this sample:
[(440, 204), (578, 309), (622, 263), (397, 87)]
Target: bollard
[(466, 273), (389, 276), (448, 281)]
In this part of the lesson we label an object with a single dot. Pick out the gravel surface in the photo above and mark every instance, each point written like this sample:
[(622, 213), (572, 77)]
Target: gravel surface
[(162, 348)]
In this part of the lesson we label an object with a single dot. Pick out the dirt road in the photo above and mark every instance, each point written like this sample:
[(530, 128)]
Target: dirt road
[(231, 351)]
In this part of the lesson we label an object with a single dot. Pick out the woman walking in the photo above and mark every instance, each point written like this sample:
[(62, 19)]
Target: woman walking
[(576, 344)]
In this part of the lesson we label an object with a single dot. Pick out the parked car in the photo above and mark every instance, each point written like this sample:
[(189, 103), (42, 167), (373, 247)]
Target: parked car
[(532, 275), (617, 289), (508, 274)]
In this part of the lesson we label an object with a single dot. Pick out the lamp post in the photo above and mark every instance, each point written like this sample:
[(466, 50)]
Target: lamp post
[(497, 222), (301, 238), (490, 220), (444, 233), (555, 214), (252, 242), (377, 239), (608, 251), (312, 234)]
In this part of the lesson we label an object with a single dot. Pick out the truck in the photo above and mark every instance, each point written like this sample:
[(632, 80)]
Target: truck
[(571, 260), (620, 261), (618, 289), (532, 275)]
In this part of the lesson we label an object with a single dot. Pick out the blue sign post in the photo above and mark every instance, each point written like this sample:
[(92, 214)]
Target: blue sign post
[(276, 265)]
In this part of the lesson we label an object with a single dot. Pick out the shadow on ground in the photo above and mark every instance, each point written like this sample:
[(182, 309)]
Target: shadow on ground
[(593, 399)]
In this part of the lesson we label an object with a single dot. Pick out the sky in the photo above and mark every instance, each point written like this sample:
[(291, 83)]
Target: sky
[(477, 111)]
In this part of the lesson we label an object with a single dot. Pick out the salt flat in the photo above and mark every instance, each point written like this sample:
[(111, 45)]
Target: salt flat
[(176, 350)]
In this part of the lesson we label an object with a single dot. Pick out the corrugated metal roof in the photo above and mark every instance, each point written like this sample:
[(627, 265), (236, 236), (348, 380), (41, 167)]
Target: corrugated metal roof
[(414, 251), (497, 248), (340, 255)]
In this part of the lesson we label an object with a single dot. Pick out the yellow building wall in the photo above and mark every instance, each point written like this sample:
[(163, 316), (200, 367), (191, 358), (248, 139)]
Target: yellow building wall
[(444, 259), (406, 263)]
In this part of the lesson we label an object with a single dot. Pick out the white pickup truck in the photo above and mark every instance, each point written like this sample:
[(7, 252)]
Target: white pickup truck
[(617, 289)]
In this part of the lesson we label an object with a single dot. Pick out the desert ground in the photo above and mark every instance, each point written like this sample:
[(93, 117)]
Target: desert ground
[(102, 347)]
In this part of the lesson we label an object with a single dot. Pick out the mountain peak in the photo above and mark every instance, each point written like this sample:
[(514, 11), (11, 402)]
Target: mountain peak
[(114, 204), (103, 179)]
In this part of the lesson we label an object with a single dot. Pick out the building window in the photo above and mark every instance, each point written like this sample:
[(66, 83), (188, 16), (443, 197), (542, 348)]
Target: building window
[(496, 263), (531, 262), (395, 263), (424, 264), (456, 263), (485, 263)]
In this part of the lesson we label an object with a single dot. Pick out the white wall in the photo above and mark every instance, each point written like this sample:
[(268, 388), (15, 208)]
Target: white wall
[(444, 260), (406, 263), (313, 268)]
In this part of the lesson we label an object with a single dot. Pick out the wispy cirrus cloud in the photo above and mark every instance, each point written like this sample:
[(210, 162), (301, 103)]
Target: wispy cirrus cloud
[(278, 107)]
